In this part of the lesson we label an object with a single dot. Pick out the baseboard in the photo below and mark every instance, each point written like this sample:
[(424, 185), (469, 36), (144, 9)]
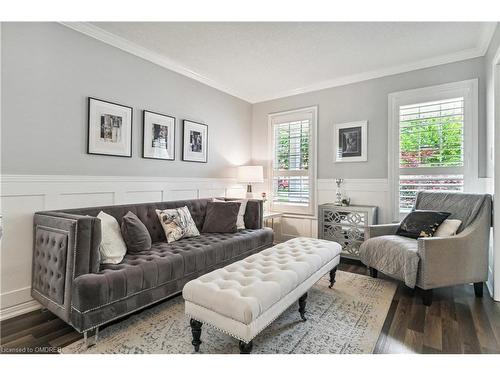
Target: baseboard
[(22, 308)]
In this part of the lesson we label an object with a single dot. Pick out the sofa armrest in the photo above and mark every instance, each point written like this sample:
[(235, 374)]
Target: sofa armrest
[(380, 230), (65, 246), (459, 259)]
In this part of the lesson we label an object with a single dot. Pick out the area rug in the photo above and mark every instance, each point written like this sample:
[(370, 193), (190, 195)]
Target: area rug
[(346, 319)]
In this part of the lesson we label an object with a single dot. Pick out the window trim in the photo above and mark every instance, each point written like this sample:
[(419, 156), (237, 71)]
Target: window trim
[(311, 209), (467, 89)]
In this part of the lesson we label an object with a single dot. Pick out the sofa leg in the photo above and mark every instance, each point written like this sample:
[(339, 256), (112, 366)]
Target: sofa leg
[(427, 297), (246, 348), (302, 306), (196, 331), (90, 342), (373, 272), (332, 277), (478, 289)]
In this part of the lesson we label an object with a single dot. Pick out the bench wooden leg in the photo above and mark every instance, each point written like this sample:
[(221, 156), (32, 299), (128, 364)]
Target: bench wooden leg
[(332, 277), (478, 289), (246, 348), (196, 331), (427, 297), (302, 306)]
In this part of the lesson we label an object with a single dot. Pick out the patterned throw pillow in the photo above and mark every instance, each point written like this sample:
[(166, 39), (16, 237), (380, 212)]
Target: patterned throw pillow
[(177, 223), (421, 223)]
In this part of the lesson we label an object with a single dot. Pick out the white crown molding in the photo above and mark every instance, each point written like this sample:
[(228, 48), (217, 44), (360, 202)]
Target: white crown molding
[(379, 73), (125, 45), (161, 60), (486, 37)]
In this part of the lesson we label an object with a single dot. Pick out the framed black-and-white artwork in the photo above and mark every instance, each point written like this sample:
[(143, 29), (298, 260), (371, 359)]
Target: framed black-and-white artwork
[(194, 142), (158, 136), (350, 141), (109, 128)]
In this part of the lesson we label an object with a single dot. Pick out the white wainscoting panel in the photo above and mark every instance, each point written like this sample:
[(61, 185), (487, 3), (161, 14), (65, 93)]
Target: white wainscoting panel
[(76, 200), (23, 195), (210, 193), (181, 194), (369, 192), (296, 226), (132, 197)]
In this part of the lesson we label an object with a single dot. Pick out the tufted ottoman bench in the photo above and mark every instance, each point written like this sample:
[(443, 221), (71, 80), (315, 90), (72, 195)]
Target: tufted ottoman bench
[(243, 298)]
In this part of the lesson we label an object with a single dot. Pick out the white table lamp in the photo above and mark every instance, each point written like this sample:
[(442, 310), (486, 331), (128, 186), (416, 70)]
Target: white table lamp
[(249, 174)]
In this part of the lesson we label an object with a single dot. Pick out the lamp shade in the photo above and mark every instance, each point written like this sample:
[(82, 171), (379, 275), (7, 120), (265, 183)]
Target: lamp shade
[(250, 173)]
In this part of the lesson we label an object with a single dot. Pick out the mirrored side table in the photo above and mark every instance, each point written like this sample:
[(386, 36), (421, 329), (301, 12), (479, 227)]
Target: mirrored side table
[(346, 225)]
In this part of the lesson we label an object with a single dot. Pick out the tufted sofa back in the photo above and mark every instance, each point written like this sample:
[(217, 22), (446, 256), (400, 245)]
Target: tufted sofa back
[(146, 212)]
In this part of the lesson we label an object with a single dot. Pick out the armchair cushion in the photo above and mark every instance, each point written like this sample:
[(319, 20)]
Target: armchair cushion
[(392, 255)]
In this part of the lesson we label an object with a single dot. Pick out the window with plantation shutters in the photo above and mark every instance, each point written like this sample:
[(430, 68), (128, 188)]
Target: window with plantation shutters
[(431, 148), (435, 134), (293, 162)]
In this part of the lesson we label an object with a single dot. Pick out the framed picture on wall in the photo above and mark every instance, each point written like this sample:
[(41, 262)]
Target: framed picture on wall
[(350, 141), (158, 135), (194, 142), (109, 128)]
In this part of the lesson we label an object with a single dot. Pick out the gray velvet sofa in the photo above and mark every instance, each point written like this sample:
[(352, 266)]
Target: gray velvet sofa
[(68, 279)]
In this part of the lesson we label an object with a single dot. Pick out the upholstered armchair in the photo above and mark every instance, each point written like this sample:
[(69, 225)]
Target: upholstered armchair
[(435, 262)]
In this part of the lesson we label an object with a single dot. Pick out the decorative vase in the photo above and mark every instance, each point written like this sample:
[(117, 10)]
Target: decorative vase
[(341, 198)]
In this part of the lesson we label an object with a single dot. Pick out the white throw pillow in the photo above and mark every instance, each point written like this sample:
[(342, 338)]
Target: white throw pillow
[(448, 228), (113, 248), (240, 221)]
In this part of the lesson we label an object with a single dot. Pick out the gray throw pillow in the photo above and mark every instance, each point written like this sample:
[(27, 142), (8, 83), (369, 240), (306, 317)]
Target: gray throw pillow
[(135, 234), (221, 217)]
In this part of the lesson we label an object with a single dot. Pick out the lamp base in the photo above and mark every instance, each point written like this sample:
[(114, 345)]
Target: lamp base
[(249, 192)]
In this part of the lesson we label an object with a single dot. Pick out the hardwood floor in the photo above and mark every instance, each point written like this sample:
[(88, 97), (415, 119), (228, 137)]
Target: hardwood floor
[(456, 322)]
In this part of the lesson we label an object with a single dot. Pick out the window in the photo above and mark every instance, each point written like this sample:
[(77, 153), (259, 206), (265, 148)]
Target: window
[(431, 137), (293, 165), (434, 141)]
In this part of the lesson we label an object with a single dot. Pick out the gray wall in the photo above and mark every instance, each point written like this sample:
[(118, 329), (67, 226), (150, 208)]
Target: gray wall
[(366, 100), (49, 70)]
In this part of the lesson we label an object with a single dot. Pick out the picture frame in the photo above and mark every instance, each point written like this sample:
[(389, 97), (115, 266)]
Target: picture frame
[(109, 128), (194, 142), (350, 142), (158, 136)]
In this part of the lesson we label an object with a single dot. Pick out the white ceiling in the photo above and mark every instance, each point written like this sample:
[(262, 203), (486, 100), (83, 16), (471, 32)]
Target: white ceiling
[(261, 61)]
